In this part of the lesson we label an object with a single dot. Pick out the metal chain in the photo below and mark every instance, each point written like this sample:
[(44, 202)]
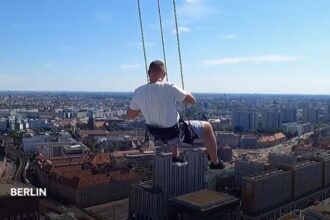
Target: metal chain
[(178, 42), (162, 37), (185, 112), (143, 43)]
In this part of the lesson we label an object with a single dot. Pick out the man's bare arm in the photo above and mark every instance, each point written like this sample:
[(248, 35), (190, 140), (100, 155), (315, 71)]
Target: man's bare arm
[(131, 114), (190, 99)]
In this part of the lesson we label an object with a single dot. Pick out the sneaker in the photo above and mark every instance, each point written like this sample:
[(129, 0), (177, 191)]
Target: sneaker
[(218, 166), (179, 160)]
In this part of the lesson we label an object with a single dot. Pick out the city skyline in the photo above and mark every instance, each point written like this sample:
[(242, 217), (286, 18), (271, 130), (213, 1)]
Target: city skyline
[(246, 47)]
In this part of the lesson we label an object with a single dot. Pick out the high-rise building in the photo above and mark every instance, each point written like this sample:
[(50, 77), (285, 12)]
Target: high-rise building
[(328, 111), (265, 191), (247, 167), (276, 159), (3, 124), (149, 200), (271, 119), (288, 115), (311, 115), (325, 159), (228, 139), (2, 157), (306, 177), (91, 120), (225, 153), (244, 121)]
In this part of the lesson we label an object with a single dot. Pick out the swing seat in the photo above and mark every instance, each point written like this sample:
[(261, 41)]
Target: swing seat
[(181, 131)]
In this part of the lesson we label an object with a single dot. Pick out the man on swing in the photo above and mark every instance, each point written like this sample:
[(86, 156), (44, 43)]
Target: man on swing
[(157, 101)]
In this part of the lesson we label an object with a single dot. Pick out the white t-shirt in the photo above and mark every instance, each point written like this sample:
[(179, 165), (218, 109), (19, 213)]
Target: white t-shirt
[(158, 103)]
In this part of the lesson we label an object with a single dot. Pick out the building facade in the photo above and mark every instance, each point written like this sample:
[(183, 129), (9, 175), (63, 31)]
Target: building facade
[(311, 115), (244, 121), (228, 139), (271, 119), (306, 177), (245, 167), (265, 191), (149, 200), (288, 115), (85, 180)]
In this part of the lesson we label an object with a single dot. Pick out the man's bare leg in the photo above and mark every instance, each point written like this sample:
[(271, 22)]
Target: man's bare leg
[(176, 157), (210, 142)]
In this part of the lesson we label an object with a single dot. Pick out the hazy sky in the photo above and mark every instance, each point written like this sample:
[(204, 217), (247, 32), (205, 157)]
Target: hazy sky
[(252, 46)]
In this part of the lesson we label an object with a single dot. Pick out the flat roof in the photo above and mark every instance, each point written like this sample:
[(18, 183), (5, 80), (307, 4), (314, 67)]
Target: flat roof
[(304, 163), (265, 174), (205, 199)]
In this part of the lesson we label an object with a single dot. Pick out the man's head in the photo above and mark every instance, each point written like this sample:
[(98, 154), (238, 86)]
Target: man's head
[(156, 70)]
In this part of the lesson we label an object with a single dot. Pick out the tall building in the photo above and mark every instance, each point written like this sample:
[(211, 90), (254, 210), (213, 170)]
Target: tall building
[(2, 157), (276, 159), (288, 115), (306, 177), (271, 119), (3, 124), (225, 153), (244, 121), (91, 121), (149, 200), (325, 159), (228, 139), (247, 167), (311, 115), (329, 112), (265, 191)]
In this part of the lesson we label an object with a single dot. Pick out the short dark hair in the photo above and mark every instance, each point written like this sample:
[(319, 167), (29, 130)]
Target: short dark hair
[(156, 65)]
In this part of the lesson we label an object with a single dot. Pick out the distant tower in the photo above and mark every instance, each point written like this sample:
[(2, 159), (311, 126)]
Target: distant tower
[(11, 113), (271, 119), (244, 121), (288, 115), (311, 115), (91, 121)]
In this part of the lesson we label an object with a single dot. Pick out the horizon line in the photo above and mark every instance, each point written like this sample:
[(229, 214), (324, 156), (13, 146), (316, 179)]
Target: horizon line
[(215, 93)]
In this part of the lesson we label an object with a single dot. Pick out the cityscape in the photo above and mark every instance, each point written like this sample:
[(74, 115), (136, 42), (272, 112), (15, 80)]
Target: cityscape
[(98, 164), (164, 110)]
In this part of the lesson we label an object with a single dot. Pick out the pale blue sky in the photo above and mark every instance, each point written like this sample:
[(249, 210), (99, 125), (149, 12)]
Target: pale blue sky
[(250, 46)]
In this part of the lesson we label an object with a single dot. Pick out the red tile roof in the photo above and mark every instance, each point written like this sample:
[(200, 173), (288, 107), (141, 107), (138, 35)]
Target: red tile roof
[(85, 170), (279, 135)]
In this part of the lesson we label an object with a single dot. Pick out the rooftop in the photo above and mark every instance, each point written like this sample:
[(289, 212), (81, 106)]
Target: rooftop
[(265, 174), (84, 170), (205, 199), (304, 163)]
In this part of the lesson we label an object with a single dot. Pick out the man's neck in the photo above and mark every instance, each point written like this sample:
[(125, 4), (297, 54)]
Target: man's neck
[(157, 80)]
